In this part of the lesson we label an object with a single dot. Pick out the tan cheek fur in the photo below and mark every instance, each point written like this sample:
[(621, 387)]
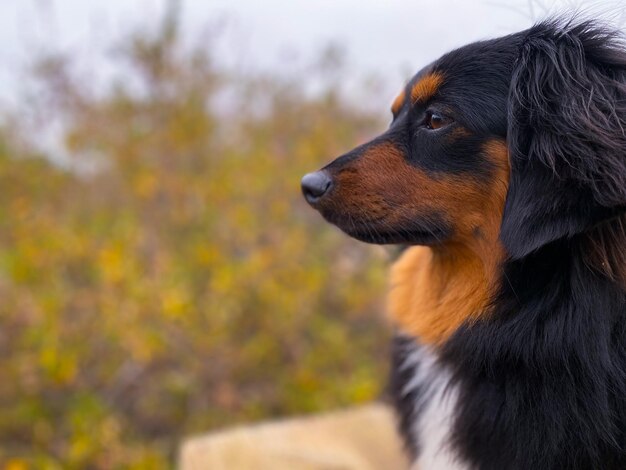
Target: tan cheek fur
[(436, 289)]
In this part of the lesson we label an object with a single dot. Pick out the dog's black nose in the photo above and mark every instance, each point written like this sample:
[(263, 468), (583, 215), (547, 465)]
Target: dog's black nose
[(315, 185)]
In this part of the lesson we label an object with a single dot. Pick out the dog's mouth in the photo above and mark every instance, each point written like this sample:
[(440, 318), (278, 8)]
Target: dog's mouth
[(414, 237), (431, 232)]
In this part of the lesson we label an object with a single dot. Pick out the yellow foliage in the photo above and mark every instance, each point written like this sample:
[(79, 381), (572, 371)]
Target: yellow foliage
[(16, 464), (182, 284), (175, 302), (111, 262)]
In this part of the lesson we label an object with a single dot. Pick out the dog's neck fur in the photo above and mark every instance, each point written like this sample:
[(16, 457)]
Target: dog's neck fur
[(545, 366), (435, 290), (555, 339)]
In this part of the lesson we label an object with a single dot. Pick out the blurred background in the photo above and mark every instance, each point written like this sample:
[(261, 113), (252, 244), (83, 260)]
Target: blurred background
[(160, 274)]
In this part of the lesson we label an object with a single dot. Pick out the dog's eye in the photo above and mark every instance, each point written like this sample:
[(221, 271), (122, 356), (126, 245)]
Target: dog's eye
[(436, 121)]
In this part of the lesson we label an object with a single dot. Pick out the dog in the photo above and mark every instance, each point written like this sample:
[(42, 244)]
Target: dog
[(503, 173)]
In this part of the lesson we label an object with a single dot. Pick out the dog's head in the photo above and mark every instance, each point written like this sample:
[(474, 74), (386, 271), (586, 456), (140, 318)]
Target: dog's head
[(520, 139)]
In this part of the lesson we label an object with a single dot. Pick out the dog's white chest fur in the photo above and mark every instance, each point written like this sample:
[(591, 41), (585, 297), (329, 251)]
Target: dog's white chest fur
[(435, 405)]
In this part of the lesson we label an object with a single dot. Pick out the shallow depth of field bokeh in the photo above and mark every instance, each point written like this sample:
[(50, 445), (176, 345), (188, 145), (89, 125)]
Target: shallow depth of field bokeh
[(166, 278), (160, 273)]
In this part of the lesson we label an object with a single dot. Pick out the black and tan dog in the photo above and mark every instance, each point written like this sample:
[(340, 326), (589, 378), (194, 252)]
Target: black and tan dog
[(504, 171)]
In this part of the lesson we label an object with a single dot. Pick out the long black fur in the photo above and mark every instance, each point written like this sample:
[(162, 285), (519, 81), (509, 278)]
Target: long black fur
[(543, 379), (566, 134)]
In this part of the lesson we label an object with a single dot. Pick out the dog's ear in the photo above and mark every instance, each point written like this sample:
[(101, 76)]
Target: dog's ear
[(566, 135)]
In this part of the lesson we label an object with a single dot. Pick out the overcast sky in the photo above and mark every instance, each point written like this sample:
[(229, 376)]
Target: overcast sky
[(389, 37)]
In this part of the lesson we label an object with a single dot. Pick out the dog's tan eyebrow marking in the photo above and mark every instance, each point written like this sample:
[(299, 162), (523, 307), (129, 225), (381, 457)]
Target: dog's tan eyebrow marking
[(398, 102), (426, 87)]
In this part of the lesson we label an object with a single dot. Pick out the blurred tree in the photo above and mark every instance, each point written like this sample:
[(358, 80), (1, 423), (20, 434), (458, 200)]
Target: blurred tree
[(181, 284)]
